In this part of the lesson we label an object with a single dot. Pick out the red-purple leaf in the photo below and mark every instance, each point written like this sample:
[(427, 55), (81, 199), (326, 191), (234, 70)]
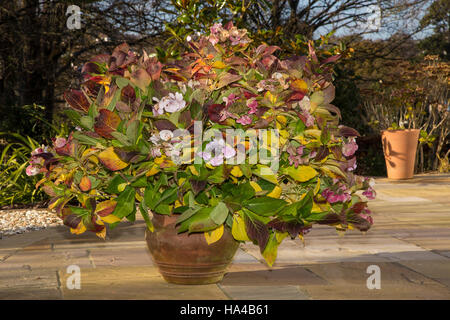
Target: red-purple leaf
[(128, 95), (348, 132), (214, 111), (106, 122), (77, 100), (292, 227), (197, 185), (72, 221), (164, 125), (141, 79), (257, 231), (296, 96), (322, 153), (123, 107), (331, 59), (328, 94)]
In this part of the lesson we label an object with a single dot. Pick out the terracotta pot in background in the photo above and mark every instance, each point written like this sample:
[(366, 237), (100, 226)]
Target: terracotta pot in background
[(399, 147), (188, 259)]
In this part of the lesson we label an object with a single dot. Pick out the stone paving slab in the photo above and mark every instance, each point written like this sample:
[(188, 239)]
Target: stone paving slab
[(109, 283), (264, 292), (348, 281), (410, 242)]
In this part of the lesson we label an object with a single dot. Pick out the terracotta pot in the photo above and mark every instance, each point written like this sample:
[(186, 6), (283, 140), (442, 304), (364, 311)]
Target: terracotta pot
[(399, 147), (188, 259)]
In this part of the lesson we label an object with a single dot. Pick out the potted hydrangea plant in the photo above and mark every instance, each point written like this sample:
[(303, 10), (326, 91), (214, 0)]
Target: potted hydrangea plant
[(226, 144)]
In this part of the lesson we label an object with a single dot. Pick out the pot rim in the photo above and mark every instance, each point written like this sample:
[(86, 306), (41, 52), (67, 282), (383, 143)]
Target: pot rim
[(400, 130)]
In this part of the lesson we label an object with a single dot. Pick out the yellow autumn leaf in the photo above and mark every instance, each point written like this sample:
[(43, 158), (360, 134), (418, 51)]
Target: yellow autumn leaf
[(275, 193), (79, 229), (177, 204), (111, 160), (280, 236), (237, 172), (219, 65), (317, 187), (193, 170), (255, 186), (180, 181), (301, 173), (85, 184), (164, 162), (89, 154), (101, 234), (266, 173), (238, 230), (301, 139), (281, 119), (269, 96), (299, 85), (110, 218), (214, 235), (154, 170)]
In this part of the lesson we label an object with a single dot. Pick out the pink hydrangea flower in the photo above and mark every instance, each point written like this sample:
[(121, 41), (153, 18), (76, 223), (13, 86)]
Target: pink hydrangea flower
[(295, 155), (342, 195), (252, 104), (349, 149), (309, 119), (370, 193), (32, 170), (60, 142), (215, 28), (244, 120), (351, 164), (366, 215), (230, 99), (216, 151)]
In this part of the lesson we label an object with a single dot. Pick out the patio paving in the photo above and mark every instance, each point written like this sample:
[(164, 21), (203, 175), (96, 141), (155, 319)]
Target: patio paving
[(409, 242)]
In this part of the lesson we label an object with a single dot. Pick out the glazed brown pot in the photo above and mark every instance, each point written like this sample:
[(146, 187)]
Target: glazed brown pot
[(399, 147), (188, 259)]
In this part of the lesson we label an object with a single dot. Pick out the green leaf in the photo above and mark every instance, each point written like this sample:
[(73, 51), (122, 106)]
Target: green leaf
[(199, 222), (144, 212), (305, 205), (265, 206), (246, 170), (132, 131), (87, 122), (122, 82), (125, 202), (151, 197), (163, 209), (86, 139), (114, 184), (141, 182), (188, 213), (74, 116), (219, 213), (132, 216), (121, 138), (169, 196), (271, 250), (218, 175)]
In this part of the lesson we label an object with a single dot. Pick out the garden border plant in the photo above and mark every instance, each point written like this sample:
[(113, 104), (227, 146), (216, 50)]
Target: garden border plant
[(126, 154)]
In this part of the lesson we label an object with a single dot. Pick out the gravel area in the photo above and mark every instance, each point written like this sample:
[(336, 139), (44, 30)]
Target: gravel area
[(20, 221)]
